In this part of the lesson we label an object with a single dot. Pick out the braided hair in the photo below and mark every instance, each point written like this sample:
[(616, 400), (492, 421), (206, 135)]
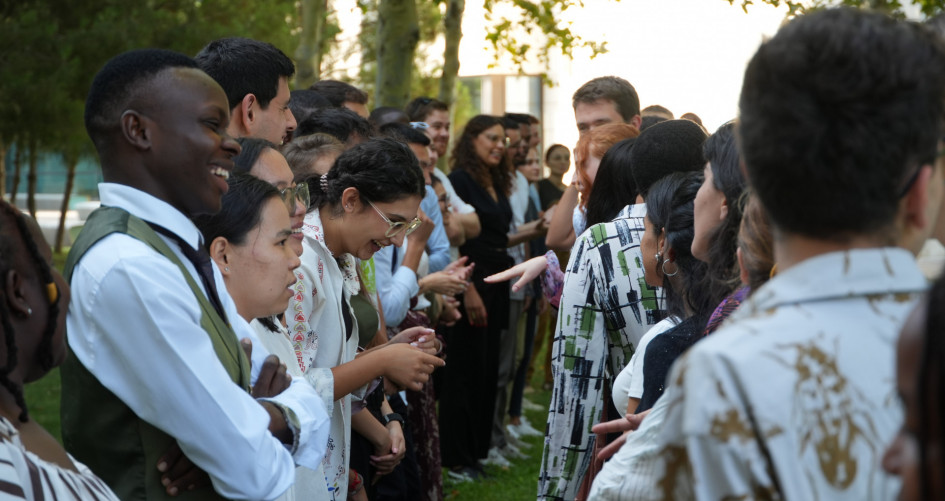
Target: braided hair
[(8, 257)]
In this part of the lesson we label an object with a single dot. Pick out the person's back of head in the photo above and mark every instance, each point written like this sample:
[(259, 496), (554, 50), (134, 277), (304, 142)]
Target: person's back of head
[(304, 102), (610, 88), (244, 66), (343, 95), (312, 154), (670, 146), (657, 110), (614, 187), (383, 115), (839, 112), (692, 116), (404, 133), (651, 120), (342, 123)]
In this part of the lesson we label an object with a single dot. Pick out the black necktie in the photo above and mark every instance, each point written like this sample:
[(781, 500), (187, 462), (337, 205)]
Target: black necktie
[(200, 258)]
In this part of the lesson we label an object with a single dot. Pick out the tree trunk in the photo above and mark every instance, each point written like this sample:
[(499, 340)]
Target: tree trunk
[(3, 169), (453, 26), (17, 162), (31, 180), (308, 56), (72, 161), (398, 32)]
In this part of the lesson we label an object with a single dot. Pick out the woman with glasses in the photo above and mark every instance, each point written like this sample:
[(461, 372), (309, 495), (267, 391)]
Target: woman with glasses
[(368, 200), (481, 178)]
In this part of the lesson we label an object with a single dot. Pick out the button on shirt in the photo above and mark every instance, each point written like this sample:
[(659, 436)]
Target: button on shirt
[(134, 323)]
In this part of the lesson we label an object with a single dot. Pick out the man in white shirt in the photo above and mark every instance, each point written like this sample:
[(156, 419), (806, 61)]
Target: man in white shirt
[(156, 359), (793, 397)]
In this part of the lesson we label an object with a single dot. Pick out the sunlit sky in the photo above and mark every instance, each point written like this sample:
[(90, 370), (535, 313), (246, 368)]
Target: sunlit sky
[(687, 55)]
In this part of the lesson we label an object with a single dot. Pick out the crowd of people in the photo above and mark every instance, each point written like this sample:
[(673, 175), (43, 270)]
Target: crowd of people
[(283, 296)]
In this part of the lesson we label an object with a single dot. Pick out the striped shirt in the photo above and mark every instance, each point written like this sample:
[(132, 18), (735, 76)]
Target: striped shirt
[(23, 475)]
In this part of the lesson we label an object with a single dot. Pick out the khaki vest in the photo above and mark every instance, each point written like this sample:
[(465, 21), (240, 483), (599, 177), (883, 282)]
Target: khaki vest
[(98, 428)]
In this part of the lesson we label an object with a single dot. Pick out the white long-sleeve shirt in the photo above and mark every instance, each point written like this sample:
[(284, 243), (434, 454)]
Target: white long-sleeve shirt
[(134, 324)]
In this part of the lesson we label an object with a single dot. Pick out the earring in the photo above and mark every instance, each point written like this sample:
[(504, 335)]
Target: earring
[(673, 274), (226, 268), (658, 257), (29, 311)]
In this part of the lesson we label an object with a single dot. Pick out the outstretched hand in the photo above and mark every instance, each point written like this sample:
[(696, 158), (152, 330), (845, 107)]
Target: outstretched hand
[(527, 270)]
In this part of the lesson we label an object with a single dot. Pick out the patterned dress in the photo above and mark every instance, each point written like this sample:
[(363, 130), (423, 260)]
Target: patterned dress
[(792, 398), (606, 307)]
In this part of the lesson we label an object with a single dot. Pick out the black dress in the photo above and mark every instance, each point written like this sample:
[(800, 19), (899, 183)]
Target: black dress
[(467, 398), (660, 354)]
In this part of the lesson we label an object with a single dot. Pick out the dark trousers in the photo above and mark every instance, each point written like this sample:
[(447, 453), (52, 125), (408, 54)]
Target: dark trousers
[(467, 397)]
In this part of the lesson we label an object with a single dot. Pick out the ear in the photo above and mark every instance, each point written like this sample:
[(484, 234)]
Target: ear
[(350, 199), (669, 254), (15, 293), (723, 211), (742, 272), (918, 214), (248, 108), (662, 244), (136, 128), (217, 250), (636, 121)]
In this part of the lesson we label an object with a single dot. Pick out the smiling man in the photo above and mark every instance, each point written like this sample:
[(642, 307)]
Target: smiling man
[(156, 361), (255, 76)]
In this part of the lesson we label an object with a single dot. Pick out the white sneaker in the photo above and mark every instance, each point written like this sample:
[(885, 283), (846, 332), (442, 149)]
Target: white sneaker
[(528, 405), (495, 459), (510, 451), (458, 476), (526, 430), (516, 440), (512, 432)]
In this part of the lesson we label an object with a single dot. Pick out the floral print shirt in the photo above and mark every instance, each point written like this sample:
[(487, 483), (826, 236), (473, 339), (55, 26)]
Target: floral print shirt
[(792, 398)]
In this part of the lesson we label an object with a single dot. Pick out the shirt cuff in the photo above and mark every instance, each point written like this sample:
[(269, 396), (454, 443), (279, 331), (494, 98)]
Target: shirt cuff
[(312, 421)]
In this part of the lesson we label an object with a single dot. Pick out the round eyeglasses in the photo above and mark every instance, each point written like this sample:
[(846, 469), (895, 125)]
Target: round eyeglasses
[(395, 227)]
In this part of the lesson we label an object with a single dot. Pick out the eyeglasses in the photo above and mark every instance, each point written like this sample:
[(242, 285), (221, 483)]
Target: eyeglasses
[(291, 194), (395, 227)]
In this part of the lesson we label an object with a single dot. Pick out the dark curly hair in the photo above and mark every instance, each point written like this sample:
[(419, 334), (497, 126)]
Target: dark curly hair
[(464, 156)]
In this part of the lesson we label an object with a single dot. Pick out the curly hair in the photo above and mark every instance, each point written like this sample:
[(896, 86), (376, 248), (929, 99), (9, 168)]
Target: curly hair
[(596, 143), (464, 156)]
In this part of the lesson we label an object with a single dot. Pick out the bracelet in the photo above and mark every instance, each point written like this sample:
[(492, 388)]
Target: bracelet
[(356, 484), (393, 416)]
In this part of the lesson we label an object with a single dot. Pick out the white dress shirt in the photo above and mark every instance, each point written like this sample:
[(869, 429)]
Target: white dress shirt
[(134, 324)]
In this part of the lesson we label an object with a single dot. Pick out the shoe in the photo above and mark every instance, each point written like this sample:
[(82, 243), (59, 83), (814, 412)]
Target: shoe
[(517, 441), (525, 429), (459, 476), (528, 405), (495, 459), (510, 451), (512, 432)]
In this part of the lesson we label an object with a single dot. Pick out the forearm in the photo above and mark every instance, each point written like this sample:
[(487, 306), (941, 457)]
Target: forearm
[(354, 374), (470, 223), (561, 230), (370, 428)]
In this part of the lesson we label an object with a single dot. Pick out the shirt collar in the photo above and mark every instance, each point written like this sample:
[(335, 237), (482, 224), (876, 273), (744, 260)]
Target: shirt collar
[(850, 273), (150, 209), (632, 210)]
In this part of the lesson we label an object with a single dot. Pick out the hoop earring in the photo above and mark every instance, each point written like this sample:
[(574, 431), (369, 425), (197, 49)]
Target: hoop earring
[(673, 274)]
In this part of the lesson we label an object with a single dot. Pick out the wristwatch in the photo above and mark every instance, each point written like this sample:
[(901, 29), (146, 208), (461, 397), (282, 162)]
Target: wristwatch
[(393, 416)]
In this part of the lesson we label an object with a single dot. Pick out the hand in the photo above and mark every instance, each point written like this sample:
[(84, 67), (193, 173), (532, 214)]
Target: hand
[(475, 308), (450, 313), (409, 367), (527, 270), (386, 460), (419, 337), (422, 233), (626, 424), (460, 269), (179, 474), (443, 282), (272, 379)]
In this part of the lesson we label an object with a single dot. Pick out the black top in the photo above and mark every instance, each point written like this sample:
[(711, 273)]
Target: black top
[(660, 354), (548, 193), (495, 218)]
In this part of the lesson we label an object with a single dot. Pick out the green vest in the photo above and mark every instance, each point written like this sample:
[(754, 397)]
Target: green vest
[(98, 428)]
